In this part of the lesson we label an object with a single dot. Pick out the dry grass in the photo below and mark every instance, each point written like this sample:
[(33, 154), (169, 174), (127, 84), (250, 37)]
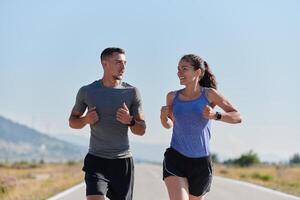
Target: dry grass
[(37, 181), (281, 178), (42, 181)]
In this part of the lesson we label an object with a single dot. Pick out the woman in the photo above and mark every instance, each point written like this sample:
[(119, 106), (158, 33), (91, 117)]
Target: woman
[(187, 170)]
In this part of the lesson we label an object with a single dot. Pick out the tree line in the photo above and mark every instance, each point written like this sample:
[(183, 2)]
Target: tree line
[(251, 158)]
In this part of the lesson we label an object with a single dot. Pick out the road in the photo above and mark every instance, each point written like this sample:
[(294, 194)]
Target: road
[(149, 186)]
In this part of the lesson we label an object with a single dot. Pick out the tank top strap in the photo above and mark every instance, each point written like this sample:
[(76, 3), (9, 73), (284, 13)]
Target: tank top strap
[(204, 91), (177, 94)]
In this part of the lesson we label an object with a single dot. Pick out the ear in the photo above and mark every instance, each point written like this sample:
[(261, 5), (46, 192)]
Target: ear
[(103, 62), (199, 72)]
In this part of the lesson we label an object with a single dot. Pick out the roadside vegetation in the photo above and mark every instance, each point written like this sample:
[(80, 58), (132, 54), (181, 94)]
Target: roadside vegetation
[(284, 177), (30, 180), (38, 180)]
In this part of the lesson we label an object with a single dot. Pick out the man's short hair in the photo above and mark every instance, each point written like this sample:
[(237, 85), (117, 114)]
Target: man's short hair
[(109, 51)]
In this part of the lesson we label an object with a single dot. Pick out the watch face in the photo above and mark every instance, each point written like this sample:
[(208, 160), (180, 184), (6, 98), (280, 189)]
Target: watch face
[(219, 116), (132, 123)]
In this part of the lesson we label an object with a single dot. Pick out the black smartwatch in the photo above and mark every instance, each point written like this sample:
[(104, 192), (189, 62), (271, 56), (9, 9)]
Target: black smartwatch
[(218, 116), (132, 122)]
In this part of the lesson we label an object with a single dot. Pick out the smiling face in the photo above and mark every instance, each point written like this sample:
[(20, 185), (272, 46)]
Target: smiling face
[(114, 66), (187, 74)]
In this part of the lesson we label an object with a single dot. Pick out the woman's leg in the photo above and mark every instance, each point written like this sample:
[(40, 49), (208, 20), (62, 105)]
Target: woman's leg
[(95, 197), (177, 188), (192, 197)]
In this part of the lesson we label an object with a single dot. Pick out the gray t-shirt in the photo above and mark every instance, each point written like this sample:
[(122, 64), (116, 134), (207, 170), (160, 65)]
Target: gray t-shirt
[(109, 137)]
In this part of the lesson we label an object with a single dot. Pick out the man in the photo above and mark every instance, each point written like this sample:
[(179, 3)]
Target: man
[(113, 106)]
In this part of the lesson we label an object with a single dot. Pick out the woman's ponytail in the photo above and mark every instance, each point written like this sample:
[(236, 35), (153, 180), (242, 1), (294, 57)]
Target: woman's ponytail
[(208, 79)]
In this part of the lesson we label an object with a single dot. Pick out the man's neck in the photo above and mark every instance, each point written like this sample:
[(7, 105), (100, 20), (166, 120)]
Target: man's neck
[(110, 82)]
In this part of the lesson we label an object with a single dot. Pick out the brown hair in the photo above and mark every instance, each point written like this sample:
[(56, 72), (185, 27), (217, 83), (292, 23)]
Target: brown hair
[(207, 78), (109, 51)]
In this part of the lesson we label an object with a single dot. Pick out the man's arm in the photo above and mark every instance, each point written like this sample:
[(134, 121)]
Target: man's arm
[(139, 127), (77, 121), (123, 116)]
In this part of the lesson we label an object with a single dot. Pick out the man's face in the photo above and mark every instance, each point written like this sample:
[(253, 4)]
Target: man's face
[(114, 65)]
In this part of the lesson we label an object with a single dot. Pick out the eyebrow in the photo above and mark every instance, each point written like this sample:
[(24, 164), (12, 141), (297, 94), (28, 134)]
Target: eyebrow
[(184, 66), (120, 60)]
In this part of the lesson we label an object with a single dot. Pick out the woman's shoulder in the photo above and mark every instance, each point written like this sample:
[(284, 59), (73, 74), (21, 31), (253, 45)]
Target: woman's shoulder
[(211, 95), (173, 93), (209, 91)]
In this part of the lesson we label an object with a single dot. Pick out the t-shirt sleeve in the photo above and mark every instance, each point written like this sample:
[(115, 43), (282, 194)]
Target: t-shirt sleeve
[(80, 104), (136, 107)]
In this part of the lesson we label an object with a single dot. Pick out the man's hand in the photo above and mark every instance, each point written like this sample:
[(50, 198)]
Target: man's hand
[(123, 115), (91, 116)]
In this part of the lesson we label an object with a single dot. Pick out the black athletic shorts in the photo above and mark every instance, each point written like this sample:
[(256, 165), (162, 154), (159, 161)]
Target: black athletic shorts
[(110, 177), (198, 171)]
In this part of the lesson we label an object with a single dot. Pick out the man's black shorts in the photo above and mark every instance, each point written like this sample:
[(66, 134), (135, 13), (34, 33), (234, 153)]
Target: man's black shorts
[(110, 177), (198, 171)]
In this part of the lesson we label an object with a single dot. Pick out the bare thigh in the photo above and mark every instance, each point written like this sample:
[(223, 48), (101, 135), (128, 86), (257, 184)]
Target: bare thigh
[(192, 197), (178, 188), (95, 197)]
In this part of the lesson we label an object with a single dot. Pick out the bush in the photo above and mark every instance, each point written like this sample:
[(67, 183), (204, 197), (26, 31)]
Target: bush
[(295, 159), (214, 158), (71, 163), (263, 177), (23, 165), (247, 159)]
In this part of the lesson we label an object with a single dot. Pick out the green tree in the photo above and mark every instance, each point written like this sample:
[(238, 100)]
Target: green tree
[(295, 159), (214, 158), (247, 159)]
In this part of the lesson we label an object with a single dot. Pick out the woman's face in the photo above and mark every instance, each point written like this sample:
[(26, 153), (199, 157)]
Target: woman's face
[(187, 74)]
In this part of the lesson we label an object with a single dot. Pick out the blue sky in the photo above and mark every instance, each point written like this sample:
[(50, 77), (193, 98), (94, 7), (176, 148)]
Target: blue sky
[(49, 49)]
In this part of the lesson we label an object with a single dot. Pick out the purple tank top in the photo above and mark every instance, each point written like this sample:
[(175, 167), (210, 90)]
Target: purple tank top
[(191, 131)]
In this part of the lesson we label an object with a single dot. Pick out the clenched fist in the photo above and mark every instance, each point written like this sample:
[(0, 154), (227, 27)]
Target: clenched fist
[(165, 111), (208, 112), (123, 115), (91, 116)]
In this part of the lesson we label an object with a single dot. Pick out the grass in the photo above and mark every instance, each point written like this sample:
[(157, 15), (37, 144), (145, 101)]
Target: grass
[(37, 181), (278, 177), (41, 181)]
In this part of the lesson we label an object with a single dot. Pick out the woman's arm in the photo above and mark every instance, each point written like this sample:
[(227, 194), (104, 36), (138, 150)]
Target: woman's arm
[(230, 114), (166, 115)]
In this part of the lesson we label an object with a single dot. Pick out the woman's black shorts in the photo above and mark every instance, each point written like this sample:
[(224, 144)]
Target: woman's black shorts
[(198, 171)]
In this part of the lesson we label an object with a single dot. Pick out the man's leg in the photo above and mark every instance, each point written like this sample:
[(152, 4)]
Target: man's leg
[(96, 186), (121, 179)]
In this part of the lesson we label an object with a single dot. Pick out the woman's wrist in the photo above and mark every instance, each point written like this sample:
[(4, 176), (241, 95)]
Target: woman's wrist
[(218, 116)]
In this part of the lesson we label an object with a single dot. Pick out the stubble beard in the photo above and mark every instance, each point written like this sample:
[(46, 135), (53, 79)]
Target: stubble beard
[(118, 78)]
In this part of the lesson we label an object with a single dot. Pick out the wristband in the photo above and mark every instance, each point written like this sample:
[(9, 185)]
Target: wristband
[(218, 116), (132, 122)]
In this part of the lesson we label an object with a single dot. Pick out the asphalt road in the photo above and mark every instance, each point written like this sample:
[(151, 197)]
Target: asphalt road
[(149, 186)]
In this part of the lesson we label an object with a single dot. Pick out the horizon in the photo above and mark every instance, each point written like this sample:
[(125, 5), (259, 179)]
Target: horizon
[(147, 155)]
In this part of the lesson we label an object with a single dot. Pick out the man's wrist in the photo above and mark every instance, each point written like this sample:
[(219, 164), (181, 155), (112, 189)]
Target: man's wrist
[(132, 122), (84, 120)]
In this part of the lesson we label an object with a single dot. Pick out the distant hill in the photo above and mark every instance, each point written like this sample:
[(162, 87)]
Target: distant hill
[(144, 152), (141, 151), (19, 142)]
